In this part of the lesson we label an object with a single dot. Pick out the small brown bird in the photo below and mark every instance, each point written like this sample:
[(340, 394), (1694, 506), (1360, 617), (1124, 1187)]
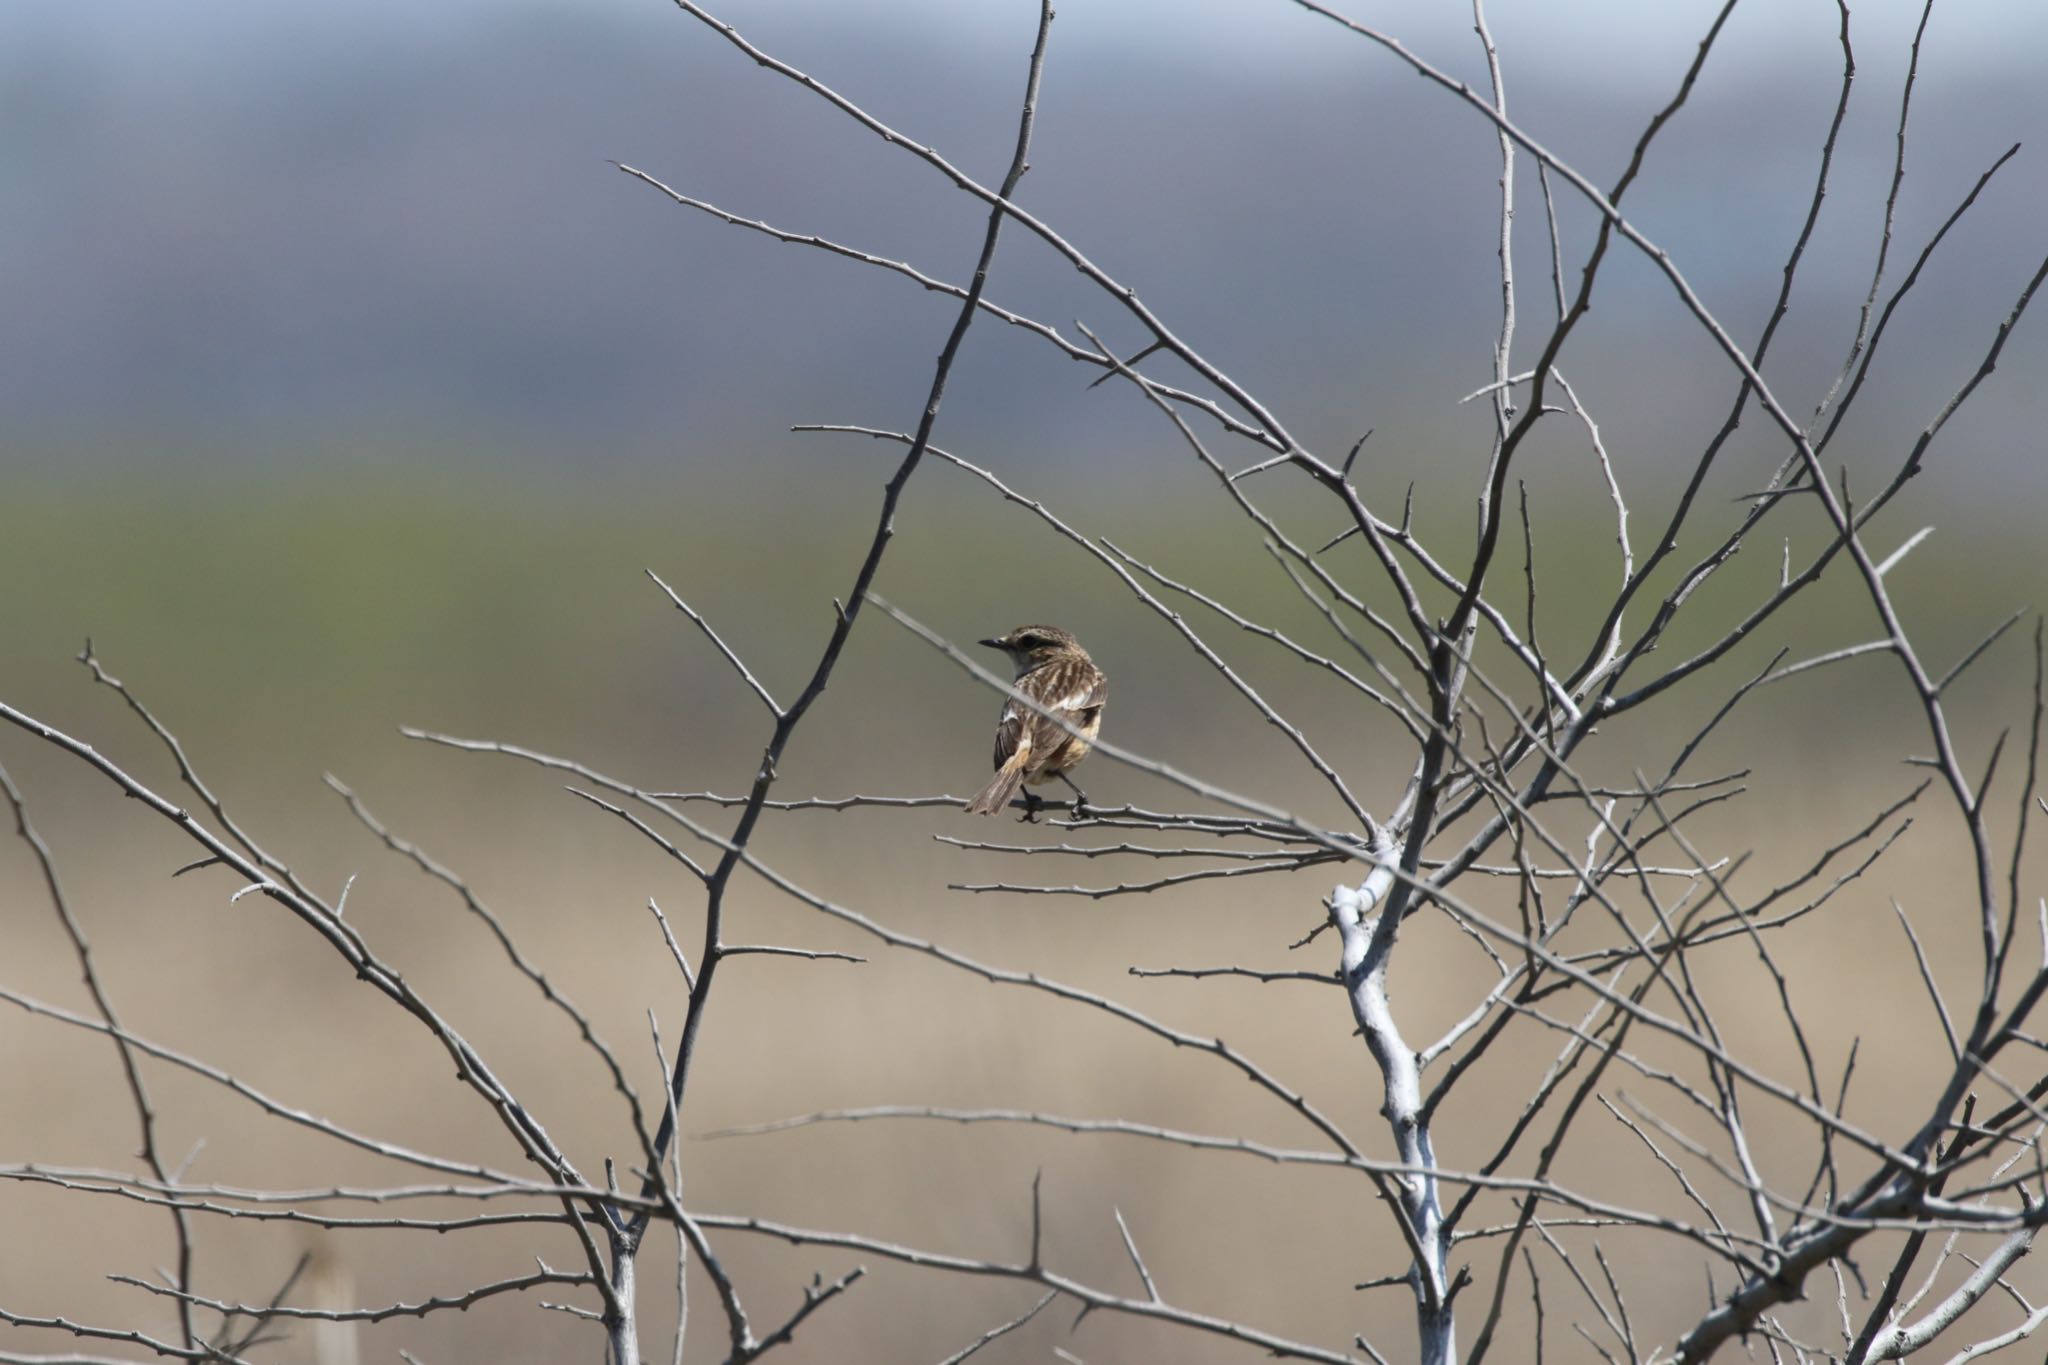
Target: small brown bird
[(1054, 671)]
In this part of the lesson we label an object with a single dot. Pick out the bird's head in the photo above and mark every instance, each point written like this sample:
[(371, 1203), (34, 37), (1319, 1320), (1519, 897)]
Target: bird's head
[(1029, 646)]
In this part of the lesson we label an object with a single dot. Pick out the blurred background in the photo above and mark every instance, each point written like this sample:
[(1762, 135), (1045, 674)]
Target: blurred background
[(346, 384)]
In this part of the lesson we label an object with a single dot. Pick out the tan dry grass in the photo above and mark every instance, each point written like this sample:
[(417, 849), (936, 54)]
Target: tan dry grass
[(1279, 1247)]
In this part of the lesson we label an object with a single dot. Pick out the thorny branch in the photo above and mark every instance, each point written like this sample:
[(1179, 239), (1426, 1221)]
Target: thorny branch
[(1604, 930)]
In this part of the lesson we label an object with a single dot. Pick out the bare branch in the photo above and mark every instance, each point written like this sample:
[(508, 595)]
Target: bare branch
[(511, 1285), (138, 1092), (1001, 1329), (1100, 1300), (1948, 1028), (1131, 1246), (739, 667)]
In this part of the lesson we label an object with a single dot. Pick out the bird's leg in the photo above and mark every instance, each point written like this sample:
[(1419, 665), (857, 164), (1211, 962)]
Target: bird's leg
[(1033, 803), (1080, 797)]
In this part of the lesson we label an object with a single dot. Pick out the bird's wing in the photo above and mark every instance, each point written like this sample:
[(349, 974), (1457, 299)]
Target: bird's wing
[(1095, 695), (1070, 692), (1012, 732)]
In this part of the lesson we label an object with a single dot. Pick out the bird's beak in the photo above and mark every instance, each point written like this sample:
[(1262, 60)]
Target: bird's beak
[(994, 642)]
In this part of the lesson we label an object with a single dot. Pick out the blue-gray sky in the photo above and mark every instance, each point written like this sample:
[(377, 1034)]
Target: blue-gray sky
[(278, 227)]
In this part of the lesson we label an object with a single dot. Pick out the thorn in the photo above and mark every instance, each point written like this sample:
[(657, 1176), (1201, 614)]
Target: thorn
[(1337, 539), (1356, 446), (1037, 1223)]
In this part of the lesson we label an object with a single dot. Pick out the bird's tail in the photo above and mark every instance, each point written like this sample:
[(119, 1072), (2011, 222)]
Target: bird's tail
[(997, 793)]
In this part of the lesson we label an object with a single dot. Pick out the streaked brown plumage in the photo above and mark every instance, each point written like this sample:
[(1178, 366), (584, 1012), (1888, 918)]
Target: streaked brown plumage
[(1054, 671)]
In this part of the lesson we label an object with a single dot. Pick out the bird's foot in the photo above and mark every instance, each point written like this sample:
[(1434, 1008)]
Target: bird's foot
[(1079, 807)]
